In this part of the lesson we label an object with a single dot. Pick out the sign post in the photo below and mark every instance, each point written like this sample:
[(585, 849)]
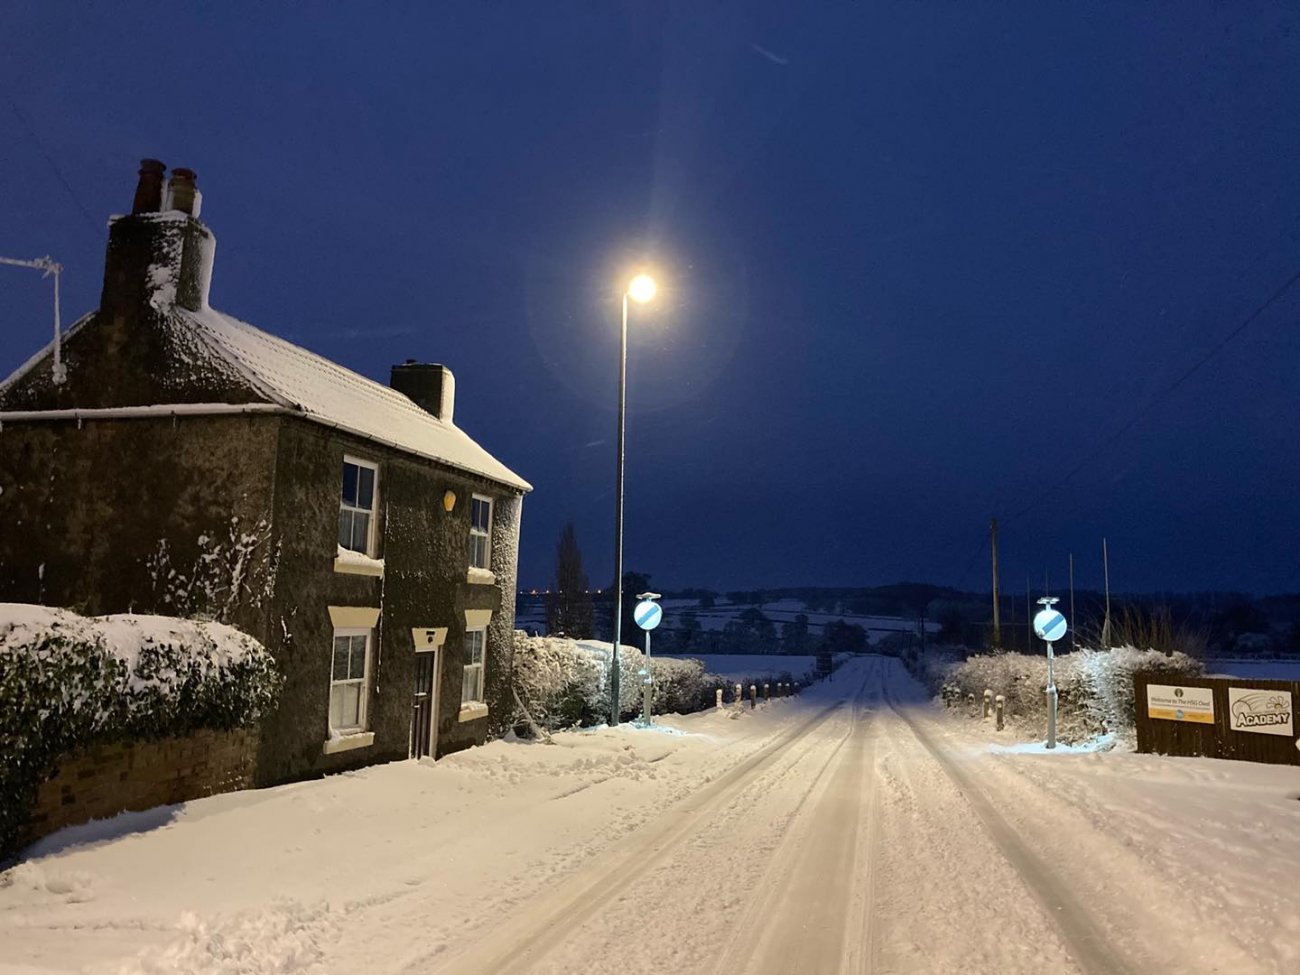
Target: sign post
[(1050, 626), (648, 614)]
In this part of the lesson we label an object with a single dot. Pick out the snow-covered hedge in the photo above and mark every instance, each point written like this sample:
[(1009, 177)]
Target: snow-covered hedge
[(1094, 687), (564, 683), (69, 681)]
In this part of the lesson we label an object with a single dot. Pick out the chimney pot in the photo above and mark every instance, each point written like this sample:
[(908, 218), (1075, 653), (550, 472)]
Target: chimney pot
[(184, 194), (148, 190)]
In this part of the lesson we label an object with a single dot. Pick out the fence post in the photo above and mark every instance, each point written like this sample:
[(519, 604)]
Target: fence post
[(718, 702), (739, 696), (988, 703), (753, 697), (767, 692), (999, 706)]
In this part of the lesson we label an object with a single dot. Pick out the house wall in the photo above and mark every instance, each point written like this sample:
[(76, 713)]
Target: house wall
[(426, 554), (105, 780), (144, 515)]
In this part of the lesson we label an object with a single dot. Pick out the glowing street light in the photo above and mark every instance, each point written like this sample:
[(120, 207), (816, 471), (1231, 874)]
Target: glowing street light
[(640, 289)]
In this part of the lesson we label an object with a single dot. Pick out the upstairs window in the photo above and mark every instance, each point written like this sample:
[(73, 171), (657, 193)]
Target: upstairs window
[(357, 506), (480, 531), (471, 687)]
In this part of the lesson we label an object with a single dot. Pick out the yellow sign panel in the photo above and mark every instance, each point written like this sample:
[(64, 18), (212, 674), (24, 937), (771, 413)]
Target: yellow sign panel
[(1170, 703)]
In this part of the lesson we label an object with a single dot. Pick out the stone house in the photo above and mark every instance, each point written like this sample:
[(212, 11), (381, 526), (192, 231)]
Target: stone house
[(188, 463)]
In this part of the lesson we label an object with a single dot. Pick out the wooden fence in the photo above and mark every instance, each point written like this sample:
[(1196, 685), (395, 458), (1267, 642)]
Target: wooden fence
[(1244, 719)]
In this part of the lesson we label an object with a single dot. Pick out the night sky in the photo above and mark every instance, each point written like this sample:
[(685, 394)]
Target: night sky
[(921, 263)]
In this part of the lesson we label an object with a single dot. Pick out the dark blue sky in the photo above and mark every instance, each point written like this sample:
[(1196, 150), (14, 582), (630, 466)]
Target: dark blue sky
[(920, 260)]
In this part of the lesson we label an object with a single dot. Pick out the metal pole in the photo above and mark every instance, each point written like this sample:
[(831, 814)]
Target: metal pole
[(1105, 565), (997, 614), (648, 690), (1051, 699), (618, 523)]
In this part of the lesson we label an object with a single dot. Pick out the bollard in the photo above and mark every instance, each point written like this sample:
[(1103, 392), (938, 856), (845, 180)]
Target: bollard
[(767, 692), (988, 703), (753, 697), (999, 707), (719, 699), (739, 695), (970, 703)]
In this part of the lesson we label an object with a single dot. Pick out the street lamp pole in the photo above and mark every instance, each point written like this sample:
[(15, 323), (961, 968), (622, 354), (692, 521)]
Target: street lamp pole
[(641, 289), (618, 522)]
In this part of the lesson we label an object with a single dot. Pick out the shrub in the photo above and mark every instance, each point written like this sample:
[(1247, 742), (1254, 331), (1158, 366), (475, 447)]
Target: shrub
[(564, 683), (1094, 687), (68, 682)]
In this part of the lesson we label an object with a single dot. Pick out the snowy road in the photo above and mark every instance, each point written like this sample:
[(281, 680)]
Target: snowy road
[(854, 829)]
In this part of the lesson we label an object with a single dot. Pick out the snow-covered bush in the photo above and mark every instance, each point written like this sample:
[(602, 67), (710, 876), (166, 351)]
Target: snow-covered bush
[(1094, 687), (69, 681), (564, 683)]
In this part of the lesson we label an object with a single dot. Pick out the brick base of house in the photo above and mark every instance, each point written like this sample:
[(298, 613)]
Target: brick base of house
[(108, 779)]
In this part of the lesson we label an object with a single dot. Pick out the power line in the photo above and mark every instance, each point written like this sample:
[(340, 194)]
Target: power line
[(54, 167), (1151, 404)]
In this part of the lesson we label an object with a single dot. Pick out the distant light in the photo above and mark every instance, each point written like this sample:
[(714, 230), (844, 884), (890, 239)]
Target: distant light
[(641, 289)]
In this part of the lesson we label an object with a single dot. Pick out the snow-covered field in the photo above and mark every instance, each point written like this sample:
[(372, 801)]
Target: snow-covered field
[(854, 828), (743, 666), (1264, 669)]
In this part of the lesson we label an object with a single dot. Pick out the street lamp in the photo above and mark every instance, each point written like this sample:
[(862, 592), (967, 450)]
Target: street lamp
[(640, 289)]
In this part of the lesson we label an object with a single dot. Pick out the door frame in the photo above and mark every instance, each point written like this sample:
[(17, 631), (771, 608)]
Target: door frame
[(430, 639)]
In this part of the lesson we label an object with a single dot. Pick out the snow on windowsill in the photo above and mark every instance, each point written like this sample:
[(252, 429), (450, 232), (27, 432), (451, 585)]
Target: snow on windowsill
[(481, 577), (346, 742), (473, 711), (357, 564)]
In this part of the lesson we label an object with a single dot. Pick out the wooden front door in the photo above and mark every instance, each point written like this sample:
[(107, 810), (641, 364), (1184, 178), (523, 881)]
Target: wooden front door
[(422, 717)]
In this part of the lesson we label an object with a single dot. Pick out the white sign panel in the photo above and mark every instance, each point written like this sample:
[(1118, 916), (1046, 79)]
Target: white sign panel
[(1050, 625), (647, 614), (1171, 703), (1262, 712)]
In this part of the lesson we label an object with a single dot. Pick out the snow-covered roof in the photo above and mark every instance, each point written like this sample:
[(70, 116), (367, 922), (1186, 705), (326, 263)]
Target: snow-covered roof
[(327, 393)]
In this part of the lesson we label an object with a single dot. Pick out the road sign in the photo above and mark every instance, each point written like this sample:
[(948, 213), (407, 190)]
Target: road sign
[(647, 614), (1050, 625)]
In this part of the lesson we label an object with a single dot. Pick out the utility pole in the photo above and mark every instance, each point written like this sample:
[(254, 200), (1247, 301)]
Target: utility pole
[(997, 612), (1105, 567), (1074, 643), (1029, 618)]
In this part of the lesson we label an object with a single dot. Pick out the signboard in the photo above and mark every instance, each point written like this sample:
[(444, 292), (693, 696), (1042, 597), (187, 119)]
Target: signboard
[(1261, 712), (1050, 625), (648, 614), (1169, 703)]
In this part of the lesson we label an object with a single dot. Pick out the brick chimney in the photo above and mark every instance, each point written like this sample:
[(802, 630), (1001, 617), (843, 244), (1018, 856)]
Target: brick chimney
[(428, 385), (159, 255)]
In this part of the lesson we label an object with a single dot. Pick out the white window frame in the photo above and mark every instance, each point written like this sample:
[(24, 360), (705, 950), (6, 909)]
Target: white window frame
[(363, 715), (374, 502), (478, 671), (485, 535)]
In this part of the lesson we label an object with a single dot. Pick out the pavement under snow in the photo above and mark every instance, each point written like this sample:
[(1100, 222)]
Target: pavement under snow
[(852, 829)]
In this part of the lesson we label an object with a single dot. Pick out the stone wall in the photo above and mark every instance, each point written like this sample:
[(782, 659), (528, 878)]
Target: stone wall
[(108, 779)]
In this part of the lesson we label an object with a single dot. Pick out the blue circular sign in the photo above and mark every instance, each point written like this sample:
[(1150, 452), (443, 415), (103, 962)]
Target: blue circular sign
[(1050, 625), (647, 614)]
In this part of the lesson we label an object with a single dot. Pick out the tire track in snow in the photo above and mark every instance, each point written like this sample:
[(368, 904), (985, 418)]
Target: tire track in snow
[(541, 928), (1082, 937)]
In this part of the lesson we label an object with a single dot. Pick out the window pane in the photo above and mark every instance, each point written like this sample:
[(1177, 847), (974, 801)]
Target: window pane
[(351, 704), (357, 669), (345, 527), (340, 658), (480, 513), (337, 719), (366, 489), (478, 551), (350, 483), (360, 532)]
